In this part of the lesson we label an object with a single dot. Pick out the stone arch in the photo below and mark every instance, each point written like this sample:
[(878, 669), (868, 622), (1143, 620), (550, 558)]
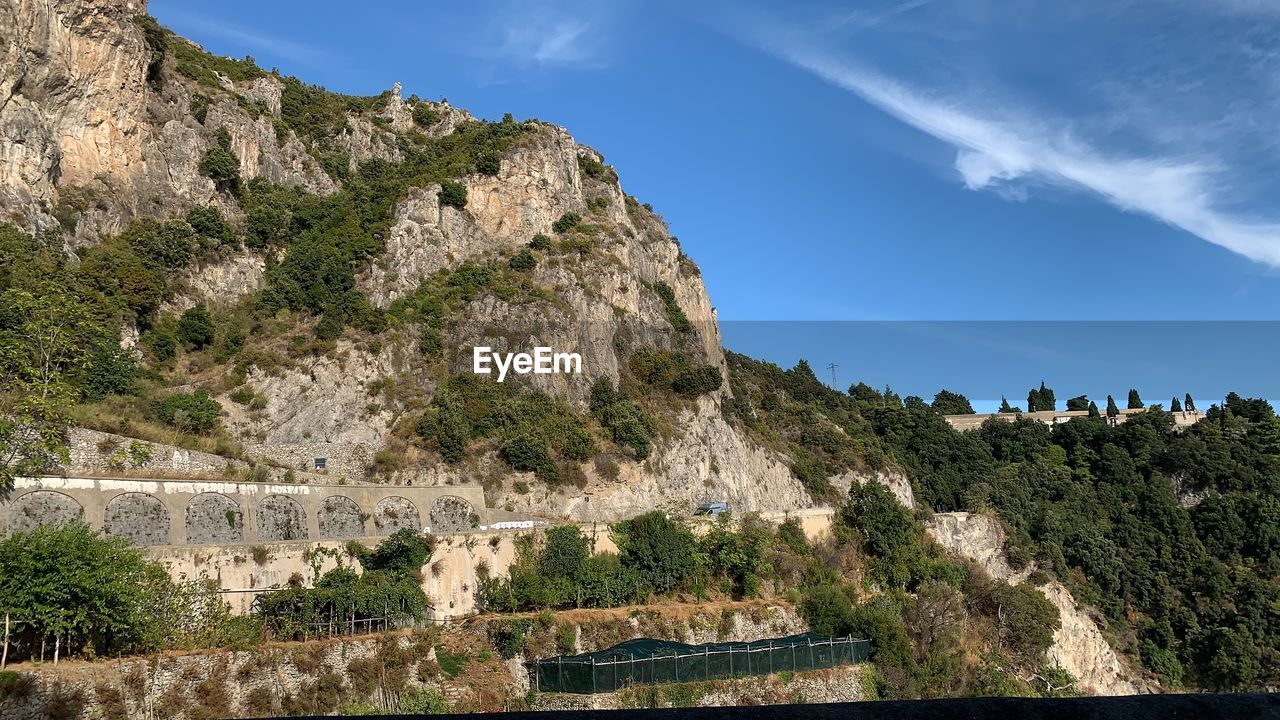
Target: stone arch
[(340, 517), (451, 514), (214, 518), (280, 517), (138, 517), (395, 512), (43, 507)]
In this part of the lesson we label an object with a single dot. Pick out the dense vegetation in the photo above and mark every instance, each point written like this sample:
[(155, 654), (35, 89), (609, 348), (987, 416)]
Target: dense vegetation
[(878, 578), (68, 591), (387, 593), (1174, 535)]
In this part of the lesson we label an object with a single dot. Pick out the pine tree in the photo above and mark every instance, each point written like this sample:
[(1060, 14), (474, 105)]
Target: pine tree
[(1135, 401), (1112, 410), (1175, 405)]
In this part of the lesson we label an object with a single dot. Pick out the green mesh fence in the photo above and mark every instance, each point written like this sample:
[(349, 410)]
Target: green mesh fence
[(638, 662)]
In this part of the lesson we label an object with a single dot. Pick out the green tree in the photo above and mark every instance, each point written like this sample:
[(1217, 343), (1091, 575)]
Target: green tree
[(209, 223), (951, 403), (567, 222), (1079, 402), (220, 164), (453, 194), (567, 549), (523, 261), (1005, 407), (195, 328), (1041, 398), (46, 338), (70, 588), (1188, 403), (193, 412), (1093, 410), (403, 553), (32, 440), (828, 611), (1135, 401), (659, 549), (1112, 410), (865, 396), (1175, 405)]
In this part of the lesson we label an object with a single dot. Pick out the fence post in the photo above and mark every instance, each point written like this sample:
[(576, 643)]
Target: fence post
[(730, 661), (810, 654), (770, 657), (706, 663), (593, 673)]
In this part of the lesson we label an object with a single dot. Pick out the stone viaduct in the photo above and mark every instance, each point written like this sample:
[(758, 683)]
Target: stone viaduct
[(188, 512)]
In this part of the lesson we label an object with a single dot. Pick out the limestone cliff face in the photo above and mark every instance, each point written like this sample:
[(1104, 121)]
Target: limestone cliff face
[(1079, 646), (704, 460), (79, 118), (93, 135)]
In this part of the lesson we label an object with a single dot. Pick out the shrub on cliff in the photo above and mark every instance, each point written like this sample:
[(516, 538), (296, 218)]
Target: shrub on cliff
[(220, 164), (453, 194), (195, 328), (193, 412), (567, 222)]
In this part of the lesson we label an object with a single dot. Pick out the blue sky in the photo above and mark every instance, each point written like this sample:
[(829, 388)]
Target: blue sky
[(906, 160)]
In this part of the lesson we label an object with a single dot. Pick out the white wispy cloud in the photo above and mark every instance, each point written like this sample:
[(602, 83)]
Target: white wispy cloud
[(558, 33), (552, 42), (1006, 148), (199, 26)]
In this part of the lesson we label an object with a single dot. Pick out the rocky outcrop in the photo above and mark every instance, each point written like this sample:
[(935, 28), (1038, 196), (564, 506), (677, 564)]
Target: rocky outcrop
[(324, 407), (221, 282), (895, 480), (1079, 646), (978, 538), (80, 118), (707, 460)]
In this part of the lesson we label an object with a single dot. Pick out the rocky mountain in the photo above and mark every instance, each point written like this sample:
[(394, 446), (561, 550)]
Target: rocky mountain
[(255, 270), (108, 120)]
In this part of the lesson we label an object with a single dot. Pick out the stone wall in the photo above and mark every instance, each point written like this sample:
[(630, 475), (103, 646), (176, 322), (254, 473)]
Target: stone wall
[(180, 512)]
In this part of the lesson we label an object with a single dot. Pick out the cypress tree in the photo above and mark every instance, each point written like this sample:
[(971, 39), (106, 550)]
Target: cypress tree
[(1175, 405), (1093, 409), (1188, 403), (1135, 401), (1112, 410)]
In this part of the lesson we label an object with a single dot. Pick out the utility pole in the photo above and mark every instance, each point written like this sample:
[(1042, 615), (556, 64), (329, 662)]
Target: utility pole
[(832, 367)]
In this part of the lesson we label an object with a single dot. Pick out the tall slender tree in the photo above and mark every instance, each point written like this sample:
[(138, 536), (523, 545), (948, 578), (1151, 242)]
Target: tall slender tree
[(1135, 400), (1112, 410), (1188, 403), (1175, 405)]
